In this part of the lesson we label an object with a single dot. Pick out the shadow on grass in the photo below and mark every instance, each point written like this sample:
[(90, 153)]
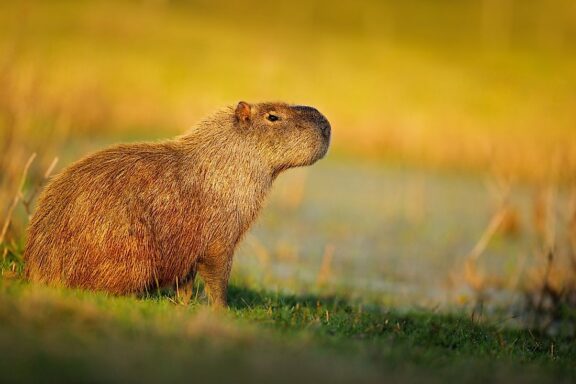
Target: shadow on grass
[(241, 297)]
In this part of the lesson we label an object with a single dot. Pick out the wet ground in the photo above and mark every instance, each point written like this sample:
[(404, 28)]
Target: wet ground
[(397, 234)]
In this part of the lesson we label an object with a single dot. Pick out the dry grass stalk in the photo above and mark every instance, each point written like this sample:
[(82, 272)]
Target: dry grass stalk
[(551, 299), (572, 227), (27, 203), (325, 272), (19, 196), (489, 232), (9, 247), (473, 274), (543, 216)]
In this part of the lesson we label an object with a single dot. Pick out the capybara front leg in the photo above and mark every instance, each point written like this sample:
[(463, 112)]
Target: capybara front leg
[(215, 272)]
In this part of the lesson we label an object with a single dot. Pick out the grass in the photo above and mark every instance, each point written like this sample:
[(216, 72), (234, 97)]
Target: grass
[(74, 336)]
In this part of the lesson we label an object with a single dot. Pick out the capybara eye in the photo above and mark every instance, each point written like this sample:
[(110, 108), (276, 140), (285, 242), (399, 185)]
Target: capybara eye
[(272, 117)]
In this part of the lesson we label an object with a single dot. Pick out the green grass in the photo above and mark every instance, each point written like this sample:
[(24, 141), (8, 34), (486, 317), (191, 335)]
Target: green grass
[(73, 336)]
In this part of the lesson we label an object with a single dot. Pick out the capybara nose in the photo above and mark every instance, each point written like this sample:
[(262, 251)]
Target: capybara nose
[(325, 128)]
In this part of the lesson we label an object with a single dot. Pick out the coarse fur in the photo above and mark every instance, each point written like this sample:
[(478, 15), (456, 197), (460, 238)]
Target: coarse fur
[(138, 216)]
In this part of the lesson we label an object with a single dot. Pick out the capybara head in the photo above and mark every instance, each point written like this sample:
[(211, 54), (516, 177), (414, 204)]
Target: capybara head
[(291, 135)]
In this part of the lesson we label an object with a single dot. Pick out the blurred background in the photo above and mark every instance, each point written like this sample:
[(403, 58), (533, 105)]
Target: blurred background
[(452, 172)]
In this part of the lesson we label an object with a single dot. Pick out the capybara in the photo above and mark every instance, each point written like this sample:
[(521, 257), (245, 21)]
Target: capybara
[(142, 216)]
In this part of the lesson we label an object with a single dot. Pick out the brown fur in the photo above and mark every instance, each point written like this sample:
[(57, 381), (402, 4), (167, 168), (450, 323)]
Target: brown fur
[(137, 216)]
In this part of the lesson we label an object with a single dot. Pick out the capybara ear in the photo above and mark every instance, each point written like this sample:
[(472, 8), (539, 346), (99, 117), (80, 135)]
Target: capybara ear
[(243, 111)]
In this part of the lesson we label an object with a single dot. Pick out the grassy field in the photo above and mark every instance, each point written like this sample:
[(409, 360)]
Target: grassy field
[(69, 336), (437, 241), (374, 291)]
